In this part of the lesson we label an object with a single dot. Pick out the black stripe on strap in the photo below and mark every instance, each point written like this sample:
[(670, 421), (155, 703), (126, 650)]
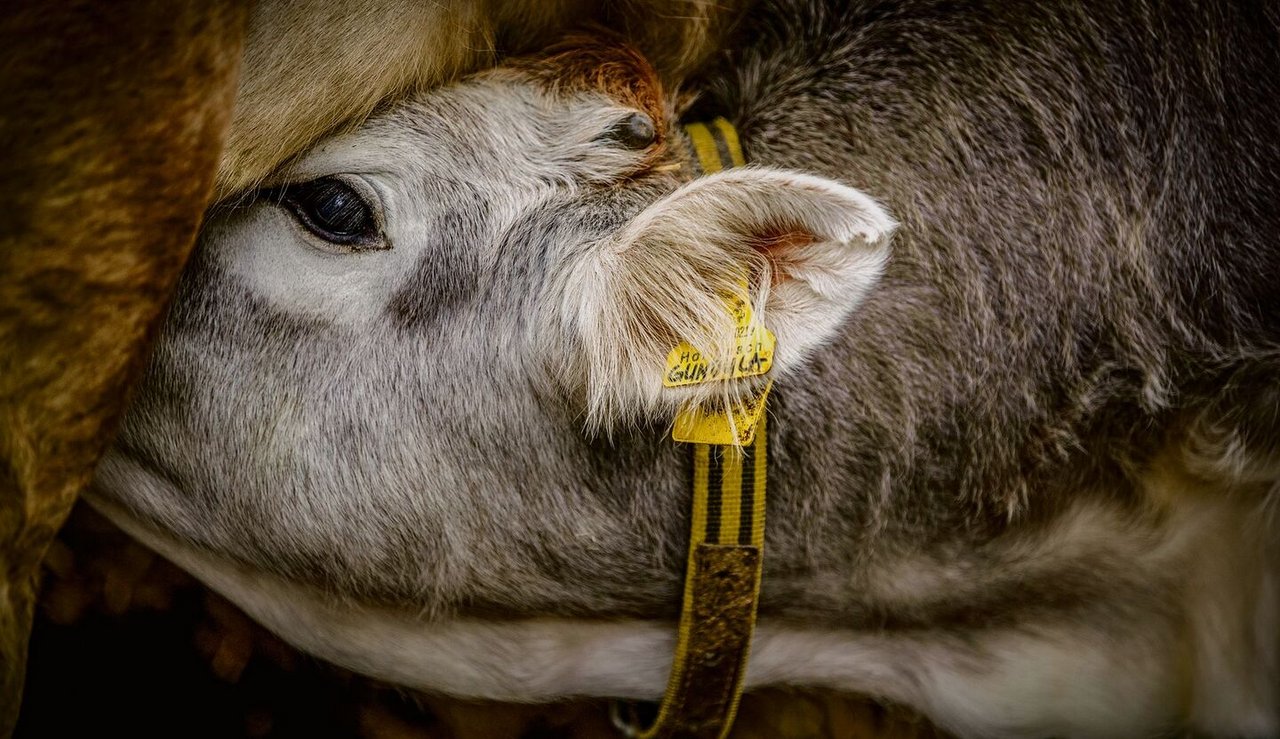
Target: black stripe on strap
[(722, 146), (746, 518), (715, 504)]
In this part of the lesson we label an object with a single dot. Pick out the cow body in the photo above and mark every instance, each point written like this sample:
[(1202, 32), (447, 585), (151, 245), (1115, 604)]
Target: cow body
[(1019, 472)]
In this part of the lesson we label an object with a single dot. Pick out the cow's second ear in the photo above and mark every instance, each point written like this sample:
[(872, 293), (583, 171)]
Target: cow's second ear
[(804, 249)]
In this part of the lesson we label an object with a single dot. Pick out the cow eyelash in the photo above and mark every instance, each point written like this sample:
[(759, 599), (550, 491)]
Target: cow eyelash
[(335, 211)]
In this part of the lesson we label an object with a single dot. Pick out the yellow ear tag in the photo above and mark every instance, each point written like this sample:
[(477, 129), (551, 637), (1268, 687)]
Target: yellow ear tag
[(698, 425), (753, 354)]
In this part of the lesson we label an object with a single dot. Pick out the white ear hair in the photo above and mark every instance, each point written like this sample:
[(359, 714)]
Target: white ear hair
[(809, 247)]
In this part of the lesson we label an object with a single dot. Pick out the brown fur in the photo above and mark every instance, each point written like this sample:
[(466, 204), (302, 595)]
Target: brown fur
[(599, 60), (112, 128)]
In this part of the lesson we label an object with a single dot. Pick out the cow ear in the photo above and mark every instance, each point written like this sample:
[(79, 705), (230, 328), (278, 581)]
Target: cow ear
[(802, 249)]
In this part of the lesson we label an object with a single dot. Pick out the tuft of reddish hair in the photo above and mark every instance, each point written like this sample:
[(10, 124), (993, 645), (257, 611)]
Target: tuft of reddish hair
[(598, 59)]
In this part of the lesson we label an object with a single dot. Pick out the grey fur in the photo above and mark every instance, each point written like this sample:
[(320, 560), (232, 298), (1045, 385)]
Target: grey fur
[(1081, 290)]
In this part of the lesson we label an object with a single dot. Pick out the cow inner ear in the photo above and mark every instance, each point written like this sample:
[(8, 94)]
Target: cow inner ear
[(665, 276), (777, 248)]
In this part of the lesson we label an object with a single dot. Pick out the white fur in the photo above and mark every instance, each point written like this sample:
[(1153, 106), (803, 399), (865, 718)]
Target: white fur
[(1062, 678)]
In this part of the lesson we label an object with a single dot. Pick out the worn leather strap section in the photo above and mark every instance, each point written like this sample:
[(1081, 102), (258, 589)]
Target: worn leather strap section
[(722, 586), (703, 701)]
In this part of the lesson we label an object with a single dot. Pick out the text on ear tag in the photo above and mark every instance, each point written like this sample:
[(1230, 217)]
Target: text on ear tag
[(753, 353)]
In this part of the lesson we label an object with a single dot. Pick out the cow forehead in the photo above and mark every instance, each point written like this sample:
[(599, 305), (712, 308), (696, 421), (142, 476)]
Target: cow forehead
[(492, 132)]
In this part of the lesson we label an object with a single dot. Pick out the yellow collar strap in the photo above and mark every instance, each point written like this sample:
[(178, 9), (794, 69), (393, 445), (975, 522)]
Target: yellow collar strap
[(726, 548), (715, 145)]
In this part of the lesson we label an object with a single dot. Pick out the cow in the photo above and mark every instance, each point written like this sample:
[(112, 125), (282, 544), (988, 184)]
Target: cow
[(407, 409)]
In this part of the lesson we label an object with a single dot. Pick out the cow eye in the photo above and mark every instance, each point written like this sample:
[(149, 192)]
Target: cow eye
[(636, 131), (334, 211)]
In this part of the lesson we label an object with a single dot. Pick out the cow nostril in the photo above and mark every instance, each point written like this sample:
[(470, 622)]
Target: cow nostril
[(636, 131)]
